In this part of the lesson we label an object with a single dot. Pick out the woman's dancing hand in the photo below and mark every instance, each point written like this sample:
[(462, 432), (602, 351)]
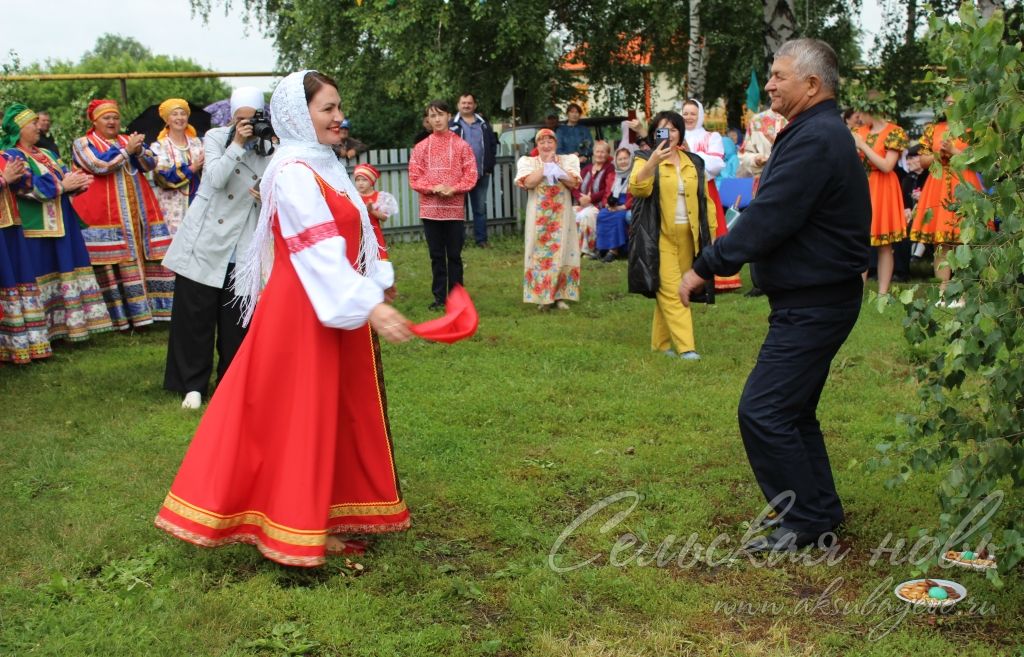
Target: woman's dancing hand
[(389, 323)]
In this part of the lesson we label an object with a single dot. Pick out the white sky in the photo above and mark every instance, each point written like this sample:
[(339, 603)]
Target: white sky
[(66, 29)]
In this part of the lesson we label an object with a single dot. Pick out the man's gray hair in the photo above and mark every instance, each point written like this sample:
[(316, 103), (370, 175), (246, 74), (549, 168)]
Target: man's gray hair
[(813, 57)]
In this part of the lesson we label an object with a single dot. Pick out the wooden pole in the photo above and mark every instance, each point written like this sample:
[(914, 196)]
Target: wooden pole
[(150, 75)]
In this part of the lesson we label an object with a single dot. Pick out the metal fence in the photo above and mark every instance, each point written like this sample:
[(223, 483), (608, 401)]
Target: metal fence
[(504, 199)]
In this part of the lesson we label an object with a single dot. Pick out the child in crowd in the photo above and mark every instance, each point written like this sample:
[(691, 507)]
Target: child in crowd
[(381, 206)]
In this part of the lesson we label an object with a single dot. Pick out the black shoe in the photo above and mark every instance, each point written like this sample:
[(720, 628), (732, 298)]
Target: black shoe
[(437, 305), (766, 524), (609, 257), (788, 540), (754, 292), (771, 522)]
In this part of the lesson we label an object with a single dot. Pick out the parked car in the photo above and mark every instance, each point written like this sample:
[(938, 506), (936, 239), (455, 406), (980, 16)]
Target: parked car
[(601, 127)]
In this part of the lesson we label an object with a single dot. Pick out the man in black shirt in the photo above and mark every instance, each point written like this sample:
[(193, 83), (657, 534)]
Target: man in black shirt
[(806, 233), (45, 139)]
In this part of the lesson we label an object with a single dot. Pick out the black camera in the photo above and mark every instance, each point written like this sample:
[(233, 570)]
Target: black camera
[(261, 127), (262, 132)]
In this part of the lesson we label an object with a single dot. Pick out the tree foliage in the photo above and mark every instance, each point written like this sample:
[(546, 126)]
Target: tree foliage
[(970, 423), (66, 100), (392, 56)]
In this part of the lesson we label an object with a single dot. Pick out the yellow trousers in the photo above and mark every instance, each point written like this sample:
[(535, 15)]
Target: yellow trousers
[(673, 323)]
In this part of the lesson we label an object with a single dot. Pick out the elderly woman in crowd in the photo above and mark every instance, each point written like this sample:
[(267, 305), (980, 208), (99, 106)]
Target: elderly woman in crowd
[(552, 263), (125, 232), (589, 197), (70, 295), (708, 145), (669, 172), (613, 219), (216, 230), (179, 162)]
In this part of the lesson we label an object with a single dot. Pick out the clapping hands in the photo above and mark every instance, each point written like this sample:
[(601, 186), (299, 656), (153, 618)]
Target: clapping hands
[(135, 143), (15, 169), (553, 172), (76, 181)]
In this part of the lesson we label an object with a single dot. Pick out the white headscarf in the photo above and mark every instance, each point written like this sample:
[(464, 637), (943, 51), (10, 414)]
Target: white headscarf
[(695, 136), (289, 114), (621, 183), (246, 97)]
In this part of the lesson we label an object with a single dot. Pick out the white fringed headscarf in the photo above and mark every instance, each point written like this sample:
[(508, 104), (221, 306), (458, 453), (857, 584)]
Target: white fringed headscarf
[(289, 114), (695, 136)]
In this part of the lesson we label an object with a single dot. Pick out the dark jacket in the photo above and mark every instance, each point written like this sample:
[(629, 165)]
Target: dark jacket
[(47, 142), (806, 231), (490, 141)]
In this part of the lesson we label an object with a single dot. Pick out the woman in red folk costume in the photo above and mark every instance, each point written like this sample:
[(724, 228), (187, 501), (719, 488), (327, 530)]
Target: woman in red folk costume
[(879, 144), (934, 220), (126, 234), (709, 146), (294, 452)]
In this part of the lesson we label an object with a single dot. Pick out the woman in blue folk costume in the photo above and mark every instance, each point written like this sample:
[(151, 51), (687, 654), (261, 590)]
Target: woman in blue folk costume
[(70, 295), (22, 321)]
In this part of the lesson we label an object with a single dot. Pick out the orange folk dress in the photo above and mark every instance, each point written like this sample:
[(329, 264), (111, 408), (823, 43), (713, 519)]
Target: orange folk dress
[(934, 222), (888, 224), (295, 444)]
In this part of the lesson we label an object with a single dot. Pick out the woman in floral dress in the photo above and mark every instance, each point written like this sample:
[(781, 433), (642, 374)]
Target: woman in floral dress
[(552, 262)]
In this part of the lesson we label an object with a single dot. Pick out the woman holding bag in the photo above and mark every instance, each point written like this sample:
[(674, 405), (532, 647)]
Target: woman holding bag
[(671, 173)]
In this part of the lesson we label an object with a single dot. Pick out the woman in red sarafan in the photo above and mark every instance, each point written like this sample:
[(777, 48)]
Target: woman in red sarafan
[(294, 453)]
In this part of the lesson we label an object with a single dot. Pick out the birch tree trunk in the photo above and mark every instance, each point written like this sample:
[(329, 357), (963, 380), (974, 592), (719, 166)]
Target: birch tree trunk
[(779, 26), (697, 66), (911, 34)]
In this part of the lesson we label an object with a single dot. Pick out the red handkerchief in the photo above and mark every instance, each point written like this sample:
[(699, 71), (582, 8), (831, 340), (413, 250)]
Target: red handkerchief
[(459, 322)]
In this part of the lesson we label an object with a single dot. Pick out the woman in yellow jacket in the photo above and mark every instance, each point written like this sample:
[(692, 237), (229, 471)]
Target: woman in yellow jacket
[(679, 241)]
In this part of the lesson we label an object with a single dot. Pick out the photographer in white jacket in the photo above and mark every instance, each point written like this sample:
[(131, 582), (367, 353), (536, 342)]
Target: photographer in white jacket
[(217, 229)]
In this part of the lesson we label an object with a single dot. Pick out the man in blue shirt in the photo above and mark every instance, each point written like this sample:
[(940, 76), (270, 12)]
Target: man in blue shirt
[(573, 137), (477, 132)]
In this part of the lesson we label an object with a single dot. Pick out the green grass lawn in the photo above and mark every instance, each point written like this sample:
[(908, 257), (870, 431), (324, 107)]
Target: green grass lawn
[(501, 442)]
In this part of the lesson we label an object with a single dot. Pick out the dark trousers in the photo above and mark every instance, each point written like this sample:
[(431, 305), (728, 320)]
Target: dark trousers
[(901, 259), (476, 199), (778, 411), (444, 242), (199, 313)]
